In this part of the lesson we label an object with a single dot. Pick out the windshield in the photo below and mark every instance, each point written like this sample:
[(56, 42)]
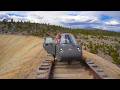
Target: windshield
[(67, 39)]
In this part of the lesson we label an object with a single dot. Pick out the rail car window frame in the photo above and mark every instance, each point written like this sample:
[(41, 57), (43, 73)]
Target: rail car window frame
[(49, 40), (67, 40)]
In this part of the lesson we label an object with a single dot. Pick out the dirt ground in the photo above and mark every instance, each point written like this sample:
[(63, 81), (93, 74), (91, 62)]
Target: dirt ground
[(109, 68), (20, 56)]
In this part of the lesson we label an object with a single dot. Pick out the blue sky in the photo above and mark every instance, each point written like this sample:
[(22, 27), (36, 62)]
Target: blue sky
[(107, 20)]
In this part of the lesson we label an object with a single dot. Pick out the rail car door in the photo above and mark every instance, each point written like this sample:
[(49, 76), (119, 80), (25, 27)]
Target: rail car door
[(49, 45)]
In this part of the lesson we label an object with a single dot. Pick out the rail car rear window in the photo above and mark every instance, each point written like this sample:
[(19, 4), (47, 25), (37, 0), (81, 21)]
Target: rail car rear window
[(68, 39)]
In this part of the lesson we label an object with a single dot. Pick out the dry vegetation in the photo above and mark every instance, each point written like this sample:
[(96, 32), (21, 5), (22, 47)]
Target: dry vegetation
[(107, 47)]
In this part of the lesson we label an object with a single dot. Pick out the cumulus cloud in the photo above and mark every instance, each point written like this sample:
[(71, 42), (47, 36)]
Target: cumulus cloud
[(35, 16), (51, 17), (78, 18), (112, 22)]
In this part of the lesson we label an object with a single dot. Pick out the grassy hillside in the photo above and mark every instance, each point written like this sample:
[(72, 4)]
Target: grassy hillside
[(103, 43), (42, 29)]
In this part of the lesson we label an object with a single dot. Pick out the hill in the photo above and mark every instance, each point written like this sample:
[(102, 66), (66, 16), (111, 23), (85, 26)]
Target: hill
[(101, 42), (42, 29)]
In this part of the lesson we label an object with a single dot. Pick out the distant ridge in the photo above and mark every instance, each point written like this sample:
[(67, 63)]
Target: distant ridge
[(42, 29)]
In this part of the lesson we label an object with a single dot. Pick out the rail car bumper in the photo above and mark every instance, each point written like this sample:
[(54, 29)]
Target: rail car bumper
[(69, 52), (70, 56)]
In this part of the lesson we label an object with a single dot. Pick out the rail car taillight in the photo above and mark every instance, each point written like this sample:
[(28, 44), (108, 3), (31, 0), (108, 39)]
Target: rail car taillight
[(79, 49)]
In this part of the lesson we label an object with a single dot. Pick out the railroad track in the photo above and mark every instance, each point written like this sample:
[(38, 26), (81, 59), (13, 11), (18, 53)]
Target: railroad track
[(50, 69), (45, 69), (62, 70)]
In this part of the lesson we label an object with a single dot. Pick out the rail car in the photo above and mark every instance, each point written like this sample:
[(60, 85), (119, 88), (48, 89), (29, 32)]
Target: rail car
[(64, 47)]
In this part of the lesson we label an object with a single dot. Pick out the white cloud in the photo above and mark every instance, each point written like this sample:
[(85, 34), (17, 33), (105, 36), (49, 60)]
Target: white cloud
[(36, 16), (79, 18), (45, 16), (112, 22)]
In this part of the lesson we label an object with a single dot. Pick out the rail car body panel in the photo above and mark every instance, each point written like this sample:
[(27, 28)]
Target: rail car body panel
[(67, 48), (64, 48)]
